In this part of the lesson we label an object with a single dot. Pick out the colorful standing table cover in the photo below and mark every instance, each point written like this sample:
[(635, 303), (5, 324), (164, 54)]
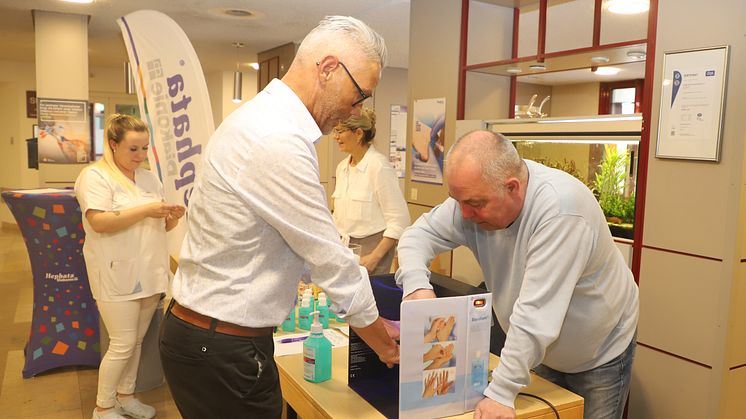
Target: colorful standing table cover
[(64, 326)]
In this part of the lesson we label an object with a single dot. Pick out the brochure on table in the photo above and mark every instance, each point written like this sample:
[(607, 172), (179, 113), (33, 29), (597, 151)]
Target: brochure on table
[(444, 355)]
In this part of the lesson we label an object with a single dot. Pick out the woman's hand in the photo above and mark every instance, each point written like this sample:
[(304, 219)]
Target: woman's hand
[(159, 209), (370, 261), (172, 219), (177, 211)]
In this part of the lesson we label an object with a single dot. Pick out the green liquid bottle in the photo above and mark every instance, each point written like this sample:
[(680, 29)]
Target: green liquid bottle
[(304, 314), (317, 354)]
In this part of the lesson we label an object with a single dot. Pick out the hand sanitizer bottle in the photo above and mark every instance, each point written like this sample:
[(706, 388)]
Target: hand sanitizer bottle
[(323, 310), (289, 324), (304, 314), (332, 316), (317, 354), (478, 373), (309, 293)]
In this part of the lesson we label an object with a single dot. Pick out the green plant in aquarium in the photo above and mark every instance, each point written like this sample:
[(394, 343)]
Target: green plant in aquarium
[(568, 167), (609, 187)]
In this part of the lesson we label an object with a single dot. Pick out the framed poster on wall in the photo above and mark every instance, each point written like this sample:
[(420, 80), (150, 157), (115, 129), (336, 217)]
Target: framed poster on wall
[(64, 131), (692, 101)]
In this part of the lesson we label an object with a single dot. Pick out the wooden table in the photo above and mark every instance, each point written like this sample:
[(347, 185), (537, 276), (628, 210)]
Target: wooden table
[(334, 399)]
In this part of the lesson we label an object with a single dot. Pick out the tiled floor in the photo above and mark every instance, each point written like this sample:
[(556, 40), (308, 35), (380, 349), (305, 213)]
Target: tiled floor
[(64, 393)]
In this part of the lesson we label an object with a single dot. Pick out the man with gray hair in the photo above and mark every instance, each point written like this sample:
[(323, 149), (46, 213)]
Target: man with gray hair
[(561, 290), (257, 219)]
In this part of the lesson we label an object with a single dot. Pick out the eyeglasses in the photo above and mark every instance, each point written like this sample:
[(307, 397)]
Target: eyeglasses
[(338, 131), (363, 95)]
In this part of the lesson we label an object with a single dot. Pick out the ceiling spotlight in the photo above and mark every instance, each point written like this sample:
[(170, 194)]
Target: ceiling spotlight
[(538, 67), (627, 7), (255, 66), (637, 54), (600, 59), (513, 70), (607, 71)]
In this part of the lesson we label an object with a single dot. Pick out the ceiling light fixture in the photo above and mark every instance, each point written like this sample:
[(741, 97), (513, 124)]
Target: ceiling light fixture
[(600, 59), (538, 66), (79, 1), (255, 66), (627, 7), (607, 71), (513, 70), (237, 76), (637, 54)]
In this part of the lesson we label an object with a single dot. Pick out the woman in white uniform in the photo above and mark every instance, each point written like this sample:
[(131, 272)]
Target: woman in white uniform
[(125, 220), (368, 204)]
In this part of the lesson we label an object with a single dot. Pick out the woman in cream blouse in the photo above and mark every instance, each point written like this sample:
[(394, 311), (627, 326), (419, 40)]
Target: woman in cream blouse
[(369, 207)]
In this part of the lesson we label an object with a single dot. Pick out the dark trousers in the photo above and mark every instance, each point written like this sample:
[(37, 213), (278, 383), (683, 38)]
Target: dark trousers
[(213, 375)]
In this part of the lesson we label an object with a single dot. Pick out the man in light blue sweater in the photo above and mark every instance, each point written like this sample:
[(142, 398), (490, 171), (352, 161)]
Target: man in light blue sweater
[(561, 289)]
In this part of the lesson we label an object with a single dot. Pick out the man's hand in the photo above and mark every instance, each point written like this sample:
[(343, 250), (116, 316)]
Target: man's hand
[(420, 294), (490, 409), (390, 357)]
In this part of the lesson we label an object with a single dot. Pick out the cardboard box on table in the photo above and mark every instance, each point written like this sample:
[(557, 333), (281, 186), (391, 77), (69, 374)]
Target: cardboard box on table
[(380, 385)]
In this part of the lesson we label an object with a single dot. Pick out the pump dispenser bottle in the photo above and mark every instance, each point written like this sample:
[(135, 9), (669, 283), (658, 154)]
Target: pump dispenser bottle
[(304, 313), (331, 316), (323, 310), (317, 354), (289, 324), (478, 372)]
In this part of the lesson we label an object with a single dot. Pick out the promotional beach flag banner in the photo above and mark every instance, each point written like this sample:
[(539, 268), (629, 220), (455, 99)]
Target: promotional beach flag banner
[(174, 102)]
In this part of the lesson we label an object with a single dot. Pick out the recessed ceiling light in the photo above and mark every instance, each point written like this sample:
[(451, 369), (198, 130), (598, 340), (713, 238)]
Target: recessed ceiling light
[(607, 71), (513, 70), (600, 59), (79, 1), (537, 66), (235, 13), (635, 53), (627, 7)]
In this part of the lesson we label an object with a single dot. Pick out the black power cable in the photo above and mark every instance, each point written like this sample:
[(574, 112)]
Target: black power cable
[(556, 413)]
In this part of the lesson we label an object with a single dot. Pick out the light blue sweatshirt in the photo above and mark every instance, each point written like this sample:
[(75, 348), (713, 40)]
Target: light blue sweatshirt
[(560, 287)]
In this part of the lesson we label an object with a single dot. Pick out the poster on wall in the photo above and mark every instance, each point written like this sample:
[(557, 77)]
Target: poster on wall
[(428, 143), (398, 139), (691, 107), (64, 131)]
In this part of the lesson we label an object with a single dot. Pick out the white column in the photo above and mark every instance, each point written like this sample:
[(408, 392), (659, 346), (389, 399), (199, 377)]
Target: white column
[(61, 43)]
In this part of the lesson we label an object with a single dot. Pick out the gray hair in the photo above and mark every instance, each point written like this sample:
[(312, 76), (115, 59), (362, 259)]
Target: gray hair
[(353, 32), (495, 154), (366, 121)]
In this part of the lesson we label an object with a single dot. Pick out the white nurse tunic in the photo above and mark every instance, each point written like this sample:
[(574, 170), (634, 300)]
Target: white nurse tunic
[(131, 263)]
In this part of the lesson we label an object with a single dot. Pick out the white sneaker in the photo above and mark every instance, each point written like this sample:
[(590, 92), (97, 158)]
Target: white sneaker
[(134, 408), (107, 414)]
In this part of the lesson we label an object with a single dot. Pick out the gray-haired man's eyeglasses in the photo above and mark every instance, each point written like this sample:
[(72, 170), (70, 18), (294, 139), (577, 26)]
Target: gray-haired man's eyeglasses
[(363, 95)]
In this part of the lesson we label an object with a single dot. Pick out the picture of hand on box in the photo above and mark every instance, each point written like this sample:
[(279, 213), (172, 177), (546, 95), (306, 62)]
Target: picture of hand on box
[(438, 356), (440, 329), (438, 383)]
